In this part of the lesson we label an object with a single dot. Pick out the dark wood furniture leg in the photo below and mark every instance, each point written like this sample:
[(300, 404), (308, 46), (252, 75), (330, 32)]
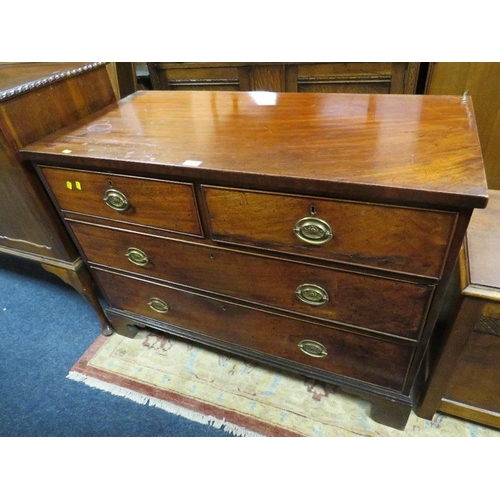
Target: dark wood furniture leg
[(79, 278), (390, 413)]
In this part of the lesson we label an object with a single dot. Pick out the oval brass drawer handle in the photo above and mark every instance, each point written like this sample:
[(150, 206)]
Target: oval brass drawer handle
[(158, 305), (116, 200), (313, 295), (313, 230), (313, 348), (137, 256)]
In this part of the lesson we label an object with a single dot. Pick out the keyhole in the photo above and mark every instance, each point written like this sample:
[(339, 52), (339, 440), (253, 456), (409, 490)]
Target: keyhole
[(211, 255), (110, 184), (313, 209)]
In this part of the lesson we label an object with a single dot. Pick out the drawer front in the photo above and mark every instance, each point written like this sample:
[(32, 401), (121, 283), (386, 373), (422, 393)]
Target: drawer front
[(154, 203), (382, 237), (365, 78), (377, 304), (201, 78), (370, 360)]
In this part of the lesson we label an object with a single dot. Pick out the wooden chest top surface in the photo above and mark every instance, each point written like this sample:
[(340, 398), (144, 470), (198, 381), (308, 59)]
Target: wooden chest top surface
[(421, 149)]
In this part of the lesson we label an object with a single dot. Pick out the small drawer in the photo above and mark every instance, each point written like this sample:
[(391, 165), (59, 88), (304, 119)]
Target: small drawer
[(201, 78), (342, 353), (136, 200), (398, 239), (362, 78), (380, 305)]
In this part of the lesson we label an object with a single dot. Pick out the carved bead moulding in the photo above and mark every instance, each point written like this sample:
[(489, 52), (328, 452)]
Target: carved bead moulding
[(48, 80)]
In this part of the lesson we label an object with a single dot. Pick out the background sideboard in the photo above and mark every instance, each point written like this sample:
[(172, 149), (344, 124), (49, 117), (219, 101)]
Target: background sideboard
[(336, 77), (37, 99)]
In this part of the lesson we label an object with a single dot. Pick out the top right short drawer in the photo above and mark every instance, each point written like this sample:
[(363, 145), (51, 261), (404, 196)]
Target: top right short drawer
[(401, 239)]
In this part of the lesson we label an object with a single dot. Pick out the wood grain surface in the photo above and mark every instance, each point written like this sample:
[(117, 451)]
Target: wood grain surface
[(154, 203), (382, 305), (363, 358), (36, 99), (376, 236), (423, 149), (480, 81)]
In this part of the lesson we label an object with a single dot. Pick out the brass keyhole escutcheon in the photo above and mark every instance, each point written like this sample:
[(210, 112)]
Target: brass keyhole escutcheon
[(116, 200), (158, 305), (313, 295), (313, 348), (137, 256), (313, 230)]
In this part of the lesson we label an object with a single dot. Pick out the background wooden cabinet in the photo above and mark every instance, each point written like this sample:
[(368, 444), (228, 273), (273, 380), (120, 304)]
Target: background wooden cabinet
[(335, 77), (465, 379), (37, 99)]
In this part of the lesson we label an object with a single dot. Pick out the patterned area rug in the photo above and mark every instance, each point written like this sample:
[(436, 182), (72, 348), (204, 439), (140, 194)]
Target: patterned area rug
[(242, 397)]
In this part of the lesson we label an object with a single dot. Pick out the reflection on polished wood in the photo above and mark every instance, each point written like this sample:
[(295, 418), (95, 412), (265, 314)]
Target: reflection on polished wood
[(480, 81), (398, 148)]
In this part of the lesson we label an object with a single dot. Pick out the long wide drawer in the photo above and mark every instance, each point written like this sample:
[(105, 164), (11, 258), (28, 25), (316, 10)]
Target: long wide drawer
[(378, 304), (149, 202), (350, 355), (406, 240)]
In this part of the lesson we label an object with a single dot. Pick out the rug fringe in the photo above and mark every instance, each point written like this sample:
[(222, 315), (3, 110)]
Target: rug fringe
[(192, 415)]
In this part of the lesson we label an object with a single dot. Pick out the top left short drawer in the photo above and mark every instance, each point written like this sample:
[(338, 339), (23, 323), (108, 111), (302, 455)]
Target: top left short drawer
[(136, 200)]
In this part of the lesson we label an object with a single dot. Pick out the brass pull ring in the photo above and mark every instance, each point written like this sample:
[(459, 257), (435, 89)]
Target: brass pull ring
[(313, 230), (313, 348), (116, 200), (137, 257), (158, 305), (313, 295)]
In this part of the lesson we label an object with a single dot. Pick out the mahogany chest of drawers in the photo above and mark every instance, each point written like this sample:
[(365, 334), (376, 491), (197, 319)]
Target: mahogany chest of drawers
[(313, 232)]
